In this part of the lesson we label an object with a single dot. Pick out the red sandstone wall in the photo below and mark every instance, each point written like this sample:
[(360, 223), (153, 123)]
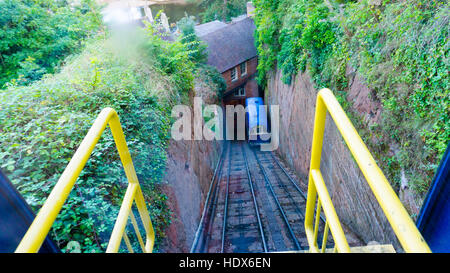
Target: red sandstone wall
[(190, 167), (353, 199)]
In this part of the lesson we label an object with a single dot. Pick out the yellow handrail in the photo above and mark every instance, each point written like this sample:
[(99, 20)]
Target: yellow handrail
[(402, 224), (41, 225)]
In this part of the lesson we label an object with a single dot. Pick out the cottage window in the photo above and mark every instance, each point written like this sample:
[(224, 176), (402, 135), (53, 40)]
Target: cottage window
[(240, 92), (243, 69), (234, 74)]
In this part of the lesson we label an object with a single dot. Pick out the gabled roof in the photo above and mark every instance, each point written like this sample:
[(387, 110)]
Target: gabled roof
[(231, 45)]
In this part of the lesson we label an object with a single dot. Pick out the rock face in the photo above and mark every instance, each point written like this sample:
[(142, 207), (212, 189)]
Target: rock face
[(189, 170), (353, 199), (190, 167), (360, 96)]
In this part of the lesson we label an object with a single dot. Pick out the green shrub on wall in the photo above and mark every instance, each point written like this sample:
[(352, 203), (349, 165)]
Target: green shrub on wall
[(139, 75), (221, 10), (267, 27), (401, 50), (36, 36)]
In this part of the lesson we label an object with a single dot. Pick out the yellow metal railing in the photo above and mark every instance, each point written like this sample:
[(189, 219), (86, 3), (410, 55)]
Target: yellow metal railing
[(403, 226), (41, 225)]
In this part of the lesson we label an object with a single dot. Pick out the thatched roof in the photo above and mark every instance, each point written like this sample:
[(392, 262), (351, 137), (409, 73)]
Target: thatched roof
[(231, 45), (206, 28)]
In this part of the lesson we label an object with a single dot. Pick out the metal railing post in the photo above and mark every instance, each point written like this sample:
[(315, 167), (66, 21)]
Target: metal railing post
[(402, 224), (36, 234)]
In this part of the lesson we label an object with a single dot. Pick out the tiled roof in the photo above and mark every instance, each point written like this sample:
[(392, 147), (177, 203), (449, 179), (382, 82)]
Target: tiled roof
[(231, 45)]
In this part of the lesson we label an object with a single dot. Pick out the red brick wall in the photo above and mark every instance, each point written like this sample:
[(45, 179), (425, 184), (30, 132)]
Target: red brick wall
[(249, 82), (251, 70), (251, 88)]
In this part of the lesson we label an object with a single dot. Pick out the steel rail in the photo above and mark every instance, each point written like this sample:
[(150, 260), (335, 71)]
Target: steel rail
[(201, 225), (321, 217), (291, 232), (298, 209), (283, 186), (293, 182), (214, 205), (225, 212), (261, 230), (288, 176)]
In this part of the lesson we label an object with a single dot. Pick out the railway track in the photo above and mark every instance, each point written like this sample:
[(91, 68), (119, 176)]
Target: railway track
[(253, 205)]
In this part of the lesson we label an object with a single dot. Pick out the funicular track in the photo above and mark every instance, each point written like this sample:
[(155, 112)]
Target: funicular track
[(289, 199), (253, 205)]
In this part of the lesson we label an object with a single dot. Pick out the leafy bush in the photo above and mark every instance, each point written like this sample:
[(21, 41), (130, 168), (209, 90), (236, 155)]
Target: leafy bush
[(42, 124), (35, 36), (196, 47), (268, 23), (400, 49), (212, 77), (222, 10)]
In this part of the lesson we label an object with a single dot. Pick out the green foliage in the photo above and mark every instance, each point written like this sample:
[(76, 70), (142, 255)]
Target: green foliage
[(317, 38), (268, 23), (141, 77), (400, 48), (306, 36), (196, 47), (402, 52), (222, 10), (212, 77), (35, 36), (173, 58), (290, 56)]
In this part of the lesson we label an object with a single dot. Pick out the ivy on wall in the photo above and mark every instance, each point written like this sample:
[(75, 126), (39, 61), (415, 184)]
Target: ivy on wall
[(141, 76), (400, 48)]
